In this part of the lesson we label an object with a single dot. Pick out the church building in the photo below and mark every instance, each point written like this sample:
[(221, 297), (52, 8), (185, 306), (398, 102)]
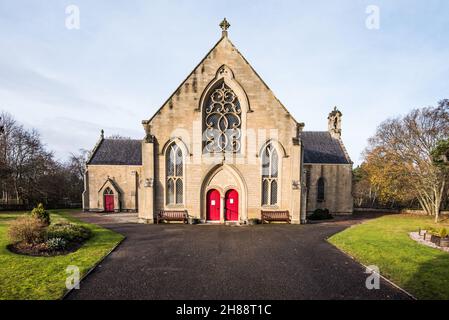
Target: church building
[(222, 149)]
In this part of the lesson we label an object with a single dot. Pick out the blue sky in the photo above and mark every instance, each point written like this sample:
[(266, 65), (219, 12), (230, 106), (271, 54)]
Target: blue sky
[(129, 56)]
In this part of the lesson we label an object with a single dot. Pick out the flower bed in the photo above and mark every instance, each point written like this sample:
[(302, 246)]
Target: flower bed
[(420, 239), (34, 235)]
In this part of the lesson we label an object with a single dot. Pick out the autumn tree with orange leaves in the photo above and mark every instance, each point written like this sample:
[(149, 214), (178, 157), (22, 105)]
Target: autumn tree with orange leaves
[(400, 163)]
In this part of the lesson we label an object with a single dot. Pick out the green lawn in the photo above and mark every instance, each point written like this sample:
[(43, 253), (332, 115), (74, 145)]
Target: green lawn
[(384, 242), (23, 277)]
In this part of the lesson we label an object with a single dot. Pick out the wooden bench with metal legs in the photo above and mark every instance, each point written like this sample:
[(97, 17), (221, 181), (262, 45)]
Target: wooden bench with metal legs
[(276, 216), (172, 215)]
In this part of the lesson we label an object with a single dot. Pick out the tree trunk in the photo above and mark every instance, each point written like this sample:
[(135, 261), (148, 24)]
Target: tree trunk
[(438, 200)]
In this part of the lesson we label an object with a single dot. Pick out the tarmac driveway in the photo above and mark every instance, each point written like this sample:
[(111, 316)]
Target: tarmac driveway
[(218, 262)]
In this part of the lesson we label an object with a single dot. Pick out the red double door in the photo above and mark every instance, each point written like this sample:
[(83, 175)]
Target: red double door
[(231, 210)]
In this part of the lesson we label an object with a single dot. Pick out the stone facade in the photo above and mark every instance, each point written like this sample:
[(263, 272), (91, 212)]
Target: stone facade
[(337, 188), (177, 171), (121, 179)]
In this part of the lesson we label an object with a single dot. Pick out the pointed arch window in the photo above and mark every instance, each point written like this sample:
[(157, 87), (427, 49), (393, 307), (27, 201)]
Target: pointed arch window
[(222, 118), (270, 176), (174, 175), (321, 190), (108, 191)]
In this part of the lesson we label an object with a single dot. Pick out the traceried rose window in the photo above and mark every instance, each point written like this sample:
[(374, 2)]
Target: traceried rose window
[(222, 121)]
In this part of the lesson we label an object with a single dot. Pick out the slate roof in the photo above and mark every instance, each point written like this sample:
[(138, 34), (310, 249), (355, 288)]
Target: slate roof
[(117, 152), (320, 147)]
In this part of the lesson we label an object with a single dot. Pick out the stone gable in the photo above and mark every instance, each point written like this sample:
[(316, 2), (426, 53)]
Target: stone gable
[(183, 108)]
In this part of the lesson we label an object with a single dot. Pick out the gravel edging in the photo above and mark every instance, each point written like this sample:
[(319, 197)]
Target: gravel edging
[(380, 275), (68, 291), (416, 237)]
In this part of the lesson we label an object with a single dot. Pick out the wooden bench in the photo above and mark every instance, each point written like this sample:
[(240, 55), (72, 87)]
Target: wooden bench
[(276, 216), (172, 215)]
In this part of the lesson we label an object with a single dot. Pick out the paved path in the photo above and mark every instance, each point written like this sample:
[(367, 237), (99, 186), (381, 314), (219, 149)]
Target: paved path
[(218, 262)]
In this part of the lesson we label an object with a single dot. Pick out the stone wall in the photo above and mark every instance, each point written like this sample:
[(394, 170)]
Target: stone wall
[(420, 212), (338, 187), (123, 180)]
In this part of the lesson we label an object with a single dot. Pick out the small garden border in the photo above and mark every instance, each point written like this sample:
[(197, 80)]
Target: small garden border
[(36, 235), (44, 278), (420, 239)]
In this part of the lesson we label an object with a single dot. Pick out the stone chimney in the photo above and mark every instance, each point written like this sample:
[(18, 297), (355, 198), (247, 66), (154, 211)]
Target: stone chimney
[(334, 123)]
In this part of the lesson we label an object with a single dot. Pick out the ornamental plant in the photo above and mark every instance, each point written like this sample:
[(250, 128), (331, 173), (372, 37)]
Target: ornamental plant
[(28, 230), (40, 213), (55, 244)]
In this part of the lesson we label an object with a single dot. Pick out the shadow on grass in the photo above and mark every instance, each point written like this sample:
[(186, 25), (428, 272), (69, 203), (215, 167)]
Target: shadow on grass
[(431, 281)]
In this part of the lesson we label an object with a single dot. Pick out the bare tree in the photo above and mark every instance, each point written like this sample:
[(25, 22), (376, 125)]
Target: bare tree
[(30, 174), (407, 143), (9, 129)]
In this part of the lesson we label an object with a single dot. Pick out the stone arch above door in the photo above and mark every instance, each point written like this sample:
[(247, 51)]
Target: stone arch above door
[(111, 185), (224, 178)]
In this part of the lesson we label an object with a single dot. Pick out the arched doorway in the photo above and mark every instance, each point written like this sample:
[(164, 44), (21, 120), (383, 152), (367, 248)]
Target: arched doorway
[(213, 204), (223, 179), (232, 205), (108, 200)]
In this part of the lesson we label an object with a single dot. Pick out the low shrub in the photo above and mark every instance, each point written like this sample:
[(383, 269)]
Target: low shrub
[(320, 214), (40, 213), (28, 230), (443, 233), (69, 232), (55, 244)]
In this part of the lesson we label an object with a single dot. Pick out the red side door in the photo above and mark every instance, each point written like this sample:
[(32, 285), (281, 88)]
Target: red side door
[(232, 206), (213, 205), (109, 203)]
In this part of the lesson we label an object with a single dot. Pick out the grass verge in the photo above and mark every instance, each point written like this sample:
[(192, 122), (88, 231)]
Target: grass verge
[(385, 242), (43, 278)]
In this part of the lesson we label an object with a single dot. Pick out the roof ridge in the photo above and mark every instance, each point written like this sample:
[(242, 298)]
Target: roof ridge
[(123, 139)]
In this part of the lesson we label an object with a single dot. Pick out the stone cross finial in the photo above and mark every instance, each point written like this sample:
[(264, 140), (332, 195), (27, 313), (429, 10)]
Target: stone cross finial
[(224, 25)]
